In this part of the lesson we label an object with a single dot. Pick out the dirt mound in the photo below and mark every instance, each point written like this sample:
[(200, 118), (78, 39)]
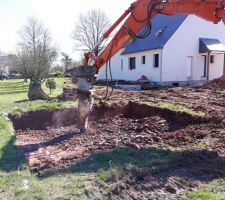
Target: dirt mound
[(216, 83), (68, 94)]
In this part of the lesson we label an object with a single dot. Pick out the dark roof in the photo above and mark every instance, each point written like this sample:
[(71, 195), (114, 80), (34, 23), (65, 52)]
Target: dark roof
[(163, 27), (210, 44)]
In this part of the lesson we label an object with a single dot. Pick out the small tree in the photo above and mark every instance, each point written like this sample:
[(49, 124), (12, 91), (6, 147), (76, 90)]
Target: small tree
[(51, 84)]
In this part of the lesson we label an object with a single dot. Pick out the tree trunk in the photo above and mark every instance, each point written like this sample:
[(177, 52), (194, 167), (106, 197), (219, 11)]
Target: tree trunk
[(1, 77), (35, 92)]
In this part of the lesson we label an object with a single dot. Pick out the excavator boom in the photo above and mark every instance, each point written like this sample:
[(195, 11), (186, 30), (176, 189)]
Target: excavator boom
[(140, 14)]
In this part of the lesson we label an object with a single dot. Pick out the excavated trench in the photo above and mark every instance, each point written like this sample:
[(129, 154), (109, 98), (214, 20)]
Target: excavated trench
[(44, 119), (58, 118), (50, 139)]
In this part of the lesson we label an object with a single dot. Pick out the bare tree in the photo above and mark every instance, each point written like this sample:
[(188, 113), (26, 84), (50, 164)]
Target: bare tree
[(90, 29), (35, 55), (66, 60)]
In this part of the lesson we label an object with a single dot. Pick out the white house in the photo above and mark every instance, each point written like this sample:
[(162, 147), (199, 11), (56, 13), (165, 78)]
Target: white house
[(181, 49)]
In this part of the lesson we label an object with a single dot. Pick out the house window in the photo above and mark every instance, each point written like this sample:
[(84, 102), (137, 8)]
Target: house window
[(156, 60), (132, 63), (121, 64), (143, 60), (212, 59)]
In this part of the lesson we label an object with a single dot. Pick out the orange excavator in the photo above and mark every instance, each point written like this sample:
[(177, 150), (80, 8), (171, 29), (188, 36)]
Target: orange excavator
[(137, 19)]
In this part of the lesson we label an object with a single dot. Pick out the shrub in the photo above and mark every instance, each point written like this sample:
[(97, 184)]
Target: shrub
[(51, 84)]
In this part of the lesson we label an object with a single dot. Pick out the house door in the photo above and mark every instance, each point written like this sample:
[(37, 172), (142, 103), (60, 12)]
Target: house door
[(204, 66), (189, 67)]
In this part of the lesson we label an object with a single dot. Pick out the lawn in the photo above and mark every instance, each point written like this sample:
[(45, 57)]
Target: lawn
[(13, 97)]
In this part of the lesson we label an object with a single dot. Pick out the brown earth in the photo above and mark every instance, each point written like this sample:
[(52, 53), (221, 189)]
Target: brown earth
[(216, 83), (131, 119)]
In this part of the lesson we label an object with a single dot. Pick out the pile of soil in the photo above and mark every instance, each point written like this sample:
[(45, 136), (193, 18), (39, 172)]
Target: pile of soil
[(216, 83), (68, 94)]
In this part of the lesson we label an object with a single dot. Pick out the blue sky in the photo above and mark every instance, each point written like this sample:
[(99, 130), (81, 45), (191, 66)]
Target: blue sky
[(59, 16)]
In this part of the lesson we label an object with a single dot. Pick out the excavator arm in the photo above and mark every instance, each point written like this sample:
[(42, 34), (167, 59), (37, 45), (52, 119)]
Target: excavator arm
[(139, 15)]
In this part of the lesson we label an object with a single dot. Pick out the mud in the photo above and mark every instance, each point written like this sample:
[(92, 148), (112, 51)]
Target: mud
[(50, 139)]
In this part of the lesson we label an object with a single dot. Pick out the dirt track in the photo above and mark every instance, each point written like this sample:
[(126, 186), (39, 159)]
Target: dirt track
[(131, 119)]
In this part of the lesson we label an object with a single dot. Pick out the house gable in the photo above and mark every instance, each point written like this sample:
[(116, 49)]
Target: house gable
[(163, 27)]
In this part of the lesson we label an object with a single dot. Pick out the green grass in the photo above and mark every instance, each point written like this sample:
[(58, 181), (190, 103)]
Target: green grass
[(19, 108), (8, 157), (203, 144), (180, 108), (177, 108), (13, 97), (202, 194), (214, 190)]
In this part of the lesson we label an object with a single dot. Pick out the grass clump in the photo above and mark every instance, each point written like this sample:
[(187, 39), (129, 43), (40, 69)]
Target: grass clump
[(203, 144), (222, 132), (214, 190), (202, 194), (29, 106), (180, 108)]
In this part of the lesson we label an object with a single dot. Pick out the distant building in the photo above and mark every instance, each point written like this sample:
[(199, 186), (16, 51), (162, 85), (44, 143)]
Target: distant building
[(181, 50)]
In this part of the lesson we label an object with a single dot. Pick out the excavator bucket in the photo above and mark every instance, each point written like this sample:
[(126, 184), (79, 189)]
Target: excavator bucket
[(84, 77)]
